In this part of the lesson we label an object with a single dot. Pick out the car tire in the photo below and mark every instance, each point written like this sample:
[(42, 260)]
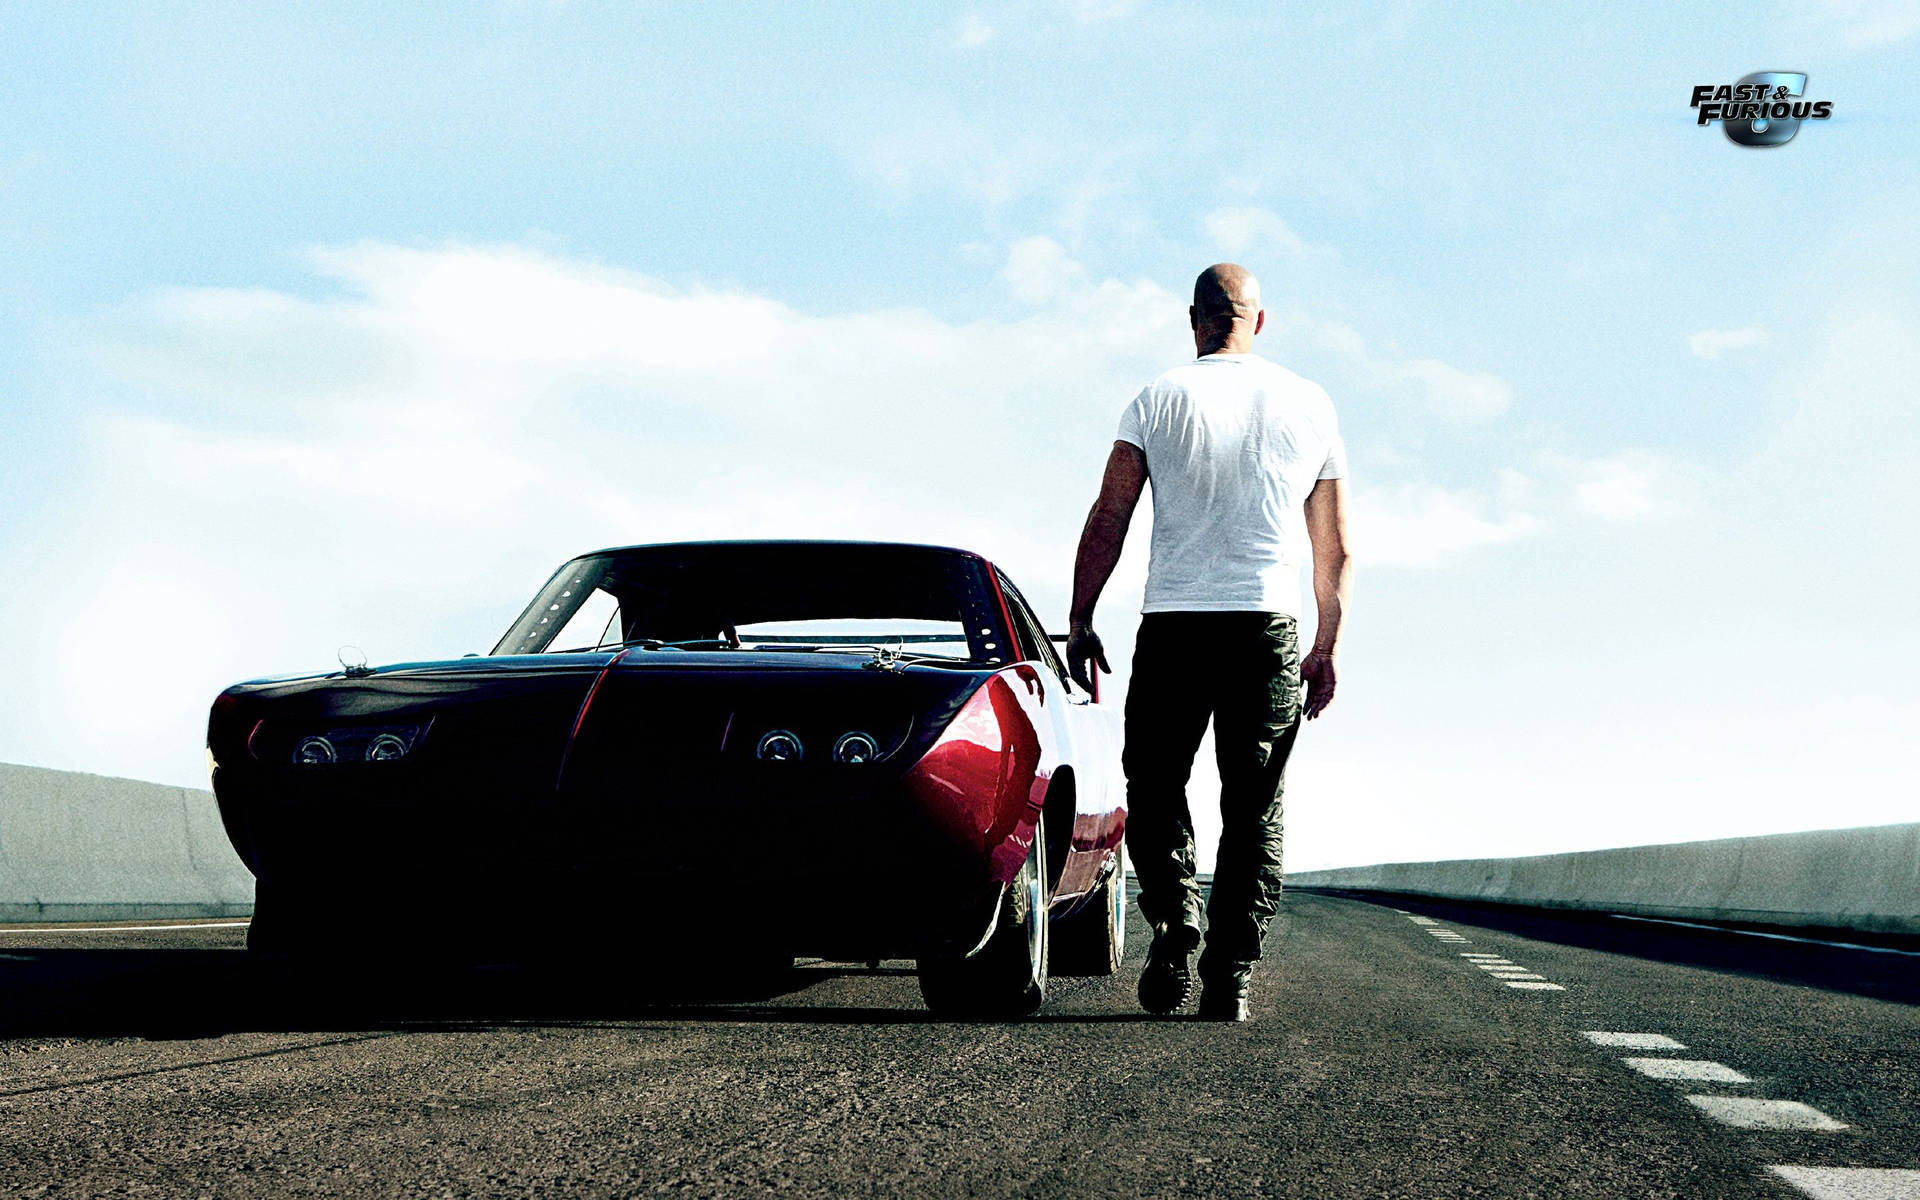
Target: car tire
[(1007, 977), (1093, 940), (286, 927), (274, 930)]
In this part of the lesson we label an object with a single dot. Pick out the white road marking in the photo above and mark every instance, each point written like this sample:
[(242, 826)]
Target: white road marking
[(1686, 1068), (44, 929), (1534, 985), (1852, 1183), (1422, 920), (1517, 975), (1778, 937), (1501, 965), (1743, 1112), (1477, 954), (1632, 1041)]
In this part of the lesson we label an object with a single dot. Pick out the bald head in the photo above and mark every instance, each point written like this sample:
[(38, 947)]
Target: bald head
[(1226, 309)]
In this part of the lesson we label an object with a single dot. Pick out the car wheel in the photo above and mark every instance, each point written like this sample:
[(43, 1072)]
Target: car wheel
[(287, 927), (274, 931), (1008, 976), (1094, 940)]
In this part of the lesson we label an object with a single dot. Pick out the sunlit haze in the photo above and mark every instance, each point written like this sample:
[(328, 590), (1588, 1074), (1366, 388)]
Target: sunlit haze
[(325, 326)]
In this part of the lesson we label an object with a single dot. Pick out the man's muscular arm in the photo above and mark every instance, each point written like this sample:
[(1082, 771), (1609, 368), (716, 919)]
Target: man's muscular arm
[(1100, 543), (1332, 588)]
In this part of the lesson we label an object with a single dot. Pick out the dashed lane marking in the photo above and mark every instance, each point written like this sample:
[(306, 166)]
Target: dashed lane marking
[(1506, 971), (1699, 1069), (1746, 1112), (1852, 1183), (1632, 1041)]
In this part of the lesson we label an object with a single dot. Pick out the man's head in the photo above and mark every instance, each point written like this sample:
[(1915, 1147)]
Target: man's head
[(1226, 310)]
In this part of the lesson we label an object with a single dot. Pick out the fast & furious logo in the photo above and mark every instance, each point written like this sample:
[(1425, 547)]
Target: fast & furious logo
[(1762, 109)]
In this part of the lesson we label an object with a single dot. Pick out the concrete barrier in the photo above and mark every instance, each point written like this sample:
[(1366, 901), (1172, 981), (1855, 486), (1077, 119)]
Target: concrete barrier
[(1863, 879), (92, 848)]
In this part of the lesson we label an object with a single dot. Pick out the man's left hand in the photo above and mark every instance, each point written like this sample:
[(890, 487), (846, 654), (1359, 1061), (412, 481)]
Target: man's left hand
[(1317, 672)]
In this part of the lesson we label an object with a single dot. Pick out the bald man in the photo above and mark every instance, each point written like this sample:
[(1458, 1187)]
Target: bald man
[(1247, 468)]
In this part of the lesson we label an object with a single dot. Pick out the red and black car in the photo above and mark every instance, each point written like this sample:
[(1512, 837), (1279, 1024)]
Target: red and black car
[(847, 750)]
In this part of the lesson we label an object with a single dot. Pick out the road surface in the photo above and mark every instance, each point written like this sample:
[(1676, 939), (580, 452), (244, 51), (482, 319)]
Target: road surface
[(1398, 1049)]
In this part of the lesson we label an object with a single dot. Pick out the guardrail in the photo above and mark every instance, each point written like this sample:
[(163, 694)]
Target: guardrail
[(1861, 879), (79, 847)]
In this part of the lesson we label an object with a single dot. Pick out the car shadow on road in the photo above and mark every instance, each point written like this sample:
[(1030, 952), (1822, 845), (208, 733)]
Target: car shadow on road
[(1811, 960), (176, 993)]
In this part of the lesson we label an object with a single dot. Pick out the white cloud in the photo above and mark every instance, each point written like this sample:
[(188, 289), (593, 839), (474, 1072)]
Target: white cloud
[(1237, 230), (1444, 389), (1626, 487), (1710, 344), (1039, 270), (915, 152), (975, 31), (398, 464), (1454, 392), (1421, 525)]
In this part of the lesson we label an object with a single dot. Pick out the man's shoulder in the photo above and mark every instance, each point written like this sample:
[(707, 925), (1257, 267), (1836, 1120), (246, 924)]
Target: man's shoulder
[(1279, 376)]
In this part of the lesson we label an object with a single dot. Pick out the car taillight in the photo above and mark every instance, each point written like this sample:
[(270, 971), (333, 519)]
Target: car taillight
[(314, 750), (779, 745), (856, 747), (351, 744)]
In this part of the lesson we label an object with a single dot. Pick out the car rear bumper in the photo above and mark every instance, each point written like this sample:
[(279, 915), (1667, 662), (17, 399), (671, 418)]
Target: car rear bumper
[(835, 873)]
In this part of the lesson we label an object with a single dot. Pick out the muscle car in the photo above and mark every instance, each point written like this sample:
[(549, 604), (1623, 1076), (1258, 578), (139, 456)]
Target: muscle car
[(845, 750)]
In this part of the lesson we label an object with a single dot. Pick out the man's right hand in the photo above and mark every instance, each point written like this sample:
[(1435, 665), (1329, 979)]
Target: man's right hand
[(1317, 672), (1084, 653)]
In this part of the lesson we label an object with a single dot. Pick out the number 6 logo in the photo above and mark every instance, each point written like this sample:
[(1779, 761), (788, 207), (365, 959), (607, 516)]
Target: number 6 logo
[(1765, 130)]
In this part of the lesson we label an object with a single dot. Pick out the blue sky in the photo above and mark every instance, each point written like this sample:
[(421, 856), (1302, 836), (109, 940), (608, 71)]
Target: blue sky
[(324, 324)]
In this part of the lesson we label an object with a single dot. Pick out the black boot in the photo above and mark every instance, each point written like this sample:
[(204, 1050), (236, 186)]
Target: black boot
[(1167, 980), (1225, 1000)]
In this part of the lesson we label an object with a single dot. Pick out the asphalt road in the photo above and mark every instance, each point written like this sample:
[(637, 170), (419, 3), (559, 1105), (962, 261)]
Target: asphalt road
[(1382, 1061)]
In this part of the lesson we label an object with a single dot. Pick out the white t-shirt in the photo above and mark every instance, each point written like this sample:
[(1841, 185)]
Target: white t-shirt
[(1234, 443)]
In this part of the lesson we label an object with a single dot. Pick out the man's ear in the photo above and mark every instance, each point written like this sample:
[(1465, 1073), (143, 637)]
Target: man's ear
[(1259, 322), (1193, 318)]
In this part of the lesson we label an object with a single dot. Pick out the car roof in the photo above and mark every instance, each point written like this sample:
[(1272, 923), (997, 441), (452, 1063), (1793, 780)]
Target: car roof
[(785, 543)]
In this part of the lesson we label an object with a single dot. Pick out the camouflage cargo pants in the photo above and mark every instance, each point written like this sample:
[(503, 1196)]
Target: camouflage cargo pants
[(1242, 670)]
